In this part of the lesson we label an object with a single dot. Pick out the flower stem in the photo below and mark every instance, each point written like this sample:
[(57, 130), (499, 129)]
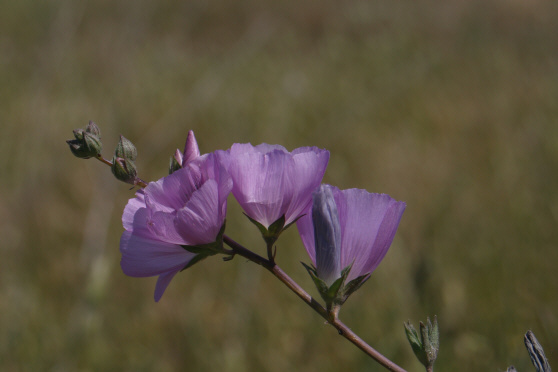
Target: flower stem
[(342, 329), (103, 160)]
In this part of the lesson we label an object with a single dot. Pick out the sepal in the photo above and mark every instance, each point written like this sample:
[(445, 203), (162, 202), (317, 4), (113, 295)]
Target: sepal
[(354, 285), (270, 234), (124, 170), (426, 347), (203, 251), (175, 162), (337, 293)]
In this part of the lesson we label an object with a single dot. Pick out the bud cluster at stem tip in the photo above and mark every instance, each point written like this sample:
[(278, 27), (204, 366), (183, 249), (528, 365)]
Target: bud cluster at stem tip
[(87, 143)]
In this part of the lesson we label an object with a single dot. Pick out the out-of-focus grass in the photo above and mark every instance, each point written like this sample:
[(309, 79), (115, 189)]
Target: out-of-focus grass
[(451, 107)]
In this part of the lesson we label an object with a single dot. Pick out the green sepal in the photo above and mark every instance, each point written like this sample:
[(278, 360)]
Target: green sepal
[(203, 251), (354, 285), (336, 290), (333, 294), (209, 249), (124, 170), (415, 342), (270, 234), (292, 223), (174, 165), (319, 283)]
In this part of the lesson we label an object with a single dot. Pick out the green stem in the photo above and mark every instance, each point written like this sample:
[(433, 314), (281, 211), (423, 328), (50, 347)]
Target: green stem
[(342, 329)]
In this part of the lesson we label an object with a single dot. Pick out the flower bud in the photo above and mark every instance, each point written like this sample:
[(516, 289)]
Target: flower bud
[(87, 143), (536, 353), (191, 149), (426, 347), (124, 170), (126, 149)]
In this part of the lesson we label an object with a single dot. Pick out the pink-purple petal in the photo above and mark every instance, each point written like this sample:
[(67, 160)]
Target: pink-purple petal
[(162, 284), (191, 149), (142, 257), (269, 182), (200, 220)]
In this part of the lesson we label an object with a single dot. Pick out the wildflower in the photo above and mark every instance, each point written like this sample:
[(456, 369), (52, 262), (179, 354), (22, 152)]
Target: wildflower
[(272, 185), (346, 235), (176, 221)]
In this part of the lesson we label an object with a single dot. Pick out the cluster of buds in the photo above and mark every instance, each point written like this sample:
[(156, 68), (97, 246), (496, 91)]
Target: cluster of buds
[(87, 143)]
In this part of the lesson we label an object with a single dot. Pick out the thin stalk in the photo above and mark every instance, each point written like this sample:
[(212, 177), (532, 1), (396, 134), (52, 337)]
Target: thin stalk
[(342, 329)]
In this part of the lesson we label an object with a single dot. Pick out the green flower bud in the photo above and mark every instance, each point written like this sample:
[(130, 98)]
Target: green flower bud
[(126, 149), (426, 347), (536, 353), (124, 170), (87, 143)]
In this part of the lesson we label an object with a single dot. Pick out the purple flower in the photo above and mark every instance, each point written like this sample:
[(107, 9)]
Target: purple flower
[(186, 208), (348, 227), (270, 182)]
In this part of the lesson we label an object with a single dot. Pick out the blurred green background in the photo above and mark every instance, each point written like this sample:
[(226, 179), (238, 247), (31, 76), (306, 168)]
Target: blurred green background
[(450, 106)]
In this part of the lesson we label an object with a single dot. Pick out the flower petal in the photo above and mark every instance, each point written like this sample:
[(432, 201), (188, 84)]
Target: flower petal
[(162, 284), (201, 219), (362, 219), (142, 257), (191, 149), (305, 176), (306, 232), (327, 234), (259, 184)]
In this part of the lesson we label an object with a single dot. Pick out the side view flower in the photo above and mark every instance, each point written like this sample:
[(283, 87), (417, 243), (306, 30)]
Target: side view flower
[(176, 221), (347, 234), (272, 184)]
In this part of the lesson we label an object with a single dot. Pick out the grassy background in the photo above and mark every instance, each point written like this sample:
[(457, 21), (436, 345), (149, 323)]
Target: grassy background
[(450, 106)]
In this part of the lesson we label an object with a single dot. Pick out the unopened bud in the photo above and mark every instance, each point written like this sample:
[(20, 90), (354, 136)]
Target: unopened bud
[(427, 345), (124, 170), (87, 143), (536, 353), (191, 149), (126, 149)]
